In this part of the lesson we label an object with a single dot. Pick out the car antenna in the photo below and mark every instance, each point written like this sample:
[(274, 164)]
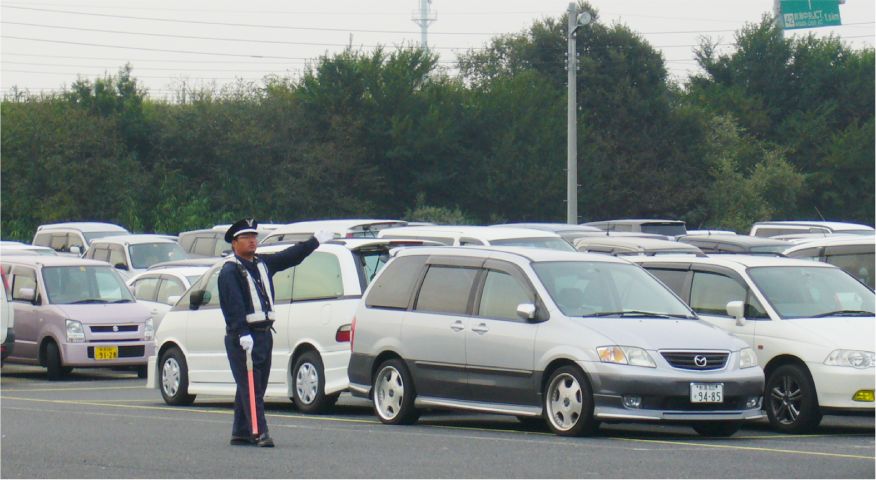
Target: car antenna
[(819, 213)]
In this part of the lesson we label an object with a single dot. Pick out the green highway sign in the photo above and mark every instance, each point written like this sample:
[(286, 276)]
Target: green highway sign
[(809, 13)]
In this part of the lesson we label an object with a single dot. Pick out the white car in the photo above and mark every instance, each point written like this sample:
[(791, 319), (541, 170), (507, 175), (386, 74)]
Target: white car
[(458, 235), (133, 254), (314, 304), (160, 289), (771, 229), (810, 323), (74, 238), (18, 248), (352, 228), (852, 253)]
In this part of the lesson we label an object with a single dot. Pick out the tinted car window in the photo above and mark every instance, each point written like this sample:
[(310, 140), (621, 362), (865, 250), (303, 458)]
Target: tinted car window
[(674, 279), (672, 229), (501, 295), (394, 286), (117, 256), (858, 265), (318, 276), (446, 289), (59, 242), (43, 239), (710, 293), (203, 246), (144, 289)]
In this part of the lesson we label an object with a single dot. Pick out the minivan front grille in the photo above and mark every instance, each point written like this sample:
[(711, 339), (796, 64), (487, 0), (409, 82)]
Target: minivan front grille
[(113, 328), (696, 360)]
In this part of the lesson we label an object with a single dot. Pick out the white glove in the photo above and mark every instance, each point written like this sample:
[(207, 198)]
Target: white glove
[(246, 342), (323, 236)]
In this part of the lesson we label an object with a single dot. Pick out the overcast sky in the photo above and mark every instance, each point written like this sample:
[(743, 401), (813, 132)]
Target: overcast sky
[(47, 44)]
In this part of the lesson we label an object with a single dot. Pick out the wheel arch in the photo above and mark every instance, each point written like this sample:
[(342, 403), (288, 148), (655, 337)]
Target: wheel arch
[(556, 364), (782, 360), (42, 349)]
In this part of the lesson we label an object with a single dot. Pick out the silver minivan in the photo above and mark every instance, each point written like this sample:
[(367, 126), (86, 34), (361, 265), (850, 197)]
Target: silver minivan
[(74, 313), (569, 337)]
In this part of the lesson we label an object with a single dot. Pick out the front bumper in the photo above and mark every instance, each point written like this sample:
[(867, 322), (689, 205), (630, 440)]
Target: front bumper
[(837, 385), (665, 393), (130, 354)]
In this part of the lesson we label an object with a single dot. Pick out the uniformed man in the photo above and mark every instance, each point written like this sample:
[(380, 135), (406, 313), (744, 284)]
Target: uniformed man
[(246, 293)]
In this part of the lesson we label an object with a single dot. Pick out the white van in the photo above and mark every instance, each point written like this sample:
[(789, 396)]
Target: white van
[(74, 237), (460, 235)]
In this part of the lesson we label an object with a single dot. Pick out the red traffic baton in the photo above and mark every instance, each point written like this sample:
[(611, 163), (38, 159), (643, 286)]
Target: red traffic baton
[(252, 405)]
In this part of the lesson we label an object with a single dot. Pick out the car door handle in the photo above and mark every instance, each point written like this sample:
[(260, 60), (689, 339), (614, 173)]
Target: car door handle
[(482, 329), (457, 326)]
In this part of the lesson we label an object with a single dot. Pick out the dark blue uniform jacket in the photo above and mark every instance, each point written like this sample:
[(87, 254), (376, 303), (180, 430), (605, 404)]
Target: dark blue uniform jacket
[(234, 298)]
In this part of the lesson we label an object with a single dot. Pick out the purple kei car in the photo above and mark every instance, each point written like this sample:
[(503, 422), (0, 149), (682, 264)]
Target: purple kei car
[(75, 313)]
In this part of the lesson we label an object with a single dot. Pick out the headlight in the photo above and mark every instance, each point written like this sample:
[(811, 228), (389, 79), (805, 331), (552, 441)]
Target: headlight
[(747, 358), (850, 358), (75, 332), (625, 356), (148, 329)]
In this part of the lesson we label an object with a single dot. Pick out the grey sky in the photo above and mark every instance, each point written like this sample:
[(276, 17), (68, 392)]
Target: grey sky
[(47, 43)]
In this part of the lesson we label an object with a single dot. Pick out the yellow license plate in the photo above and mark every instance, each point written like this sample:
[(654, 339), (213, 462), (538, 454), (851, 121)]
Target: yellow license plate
[(106, 353)]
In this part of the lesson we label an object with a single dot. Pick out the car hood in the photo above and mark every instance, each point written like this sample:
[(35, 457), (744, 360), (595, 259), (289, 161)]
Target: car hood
[(105, 313), (851, 333), (659, 334)]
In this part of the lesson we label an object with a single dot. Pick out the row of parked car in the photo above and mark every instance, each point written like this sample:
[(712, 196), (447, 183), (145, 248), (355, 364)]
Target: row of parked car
[(497, 326)]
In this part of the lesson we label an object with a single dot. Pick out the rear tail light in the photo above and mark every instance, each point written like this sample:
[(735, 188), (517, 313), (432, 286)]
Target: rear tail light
[(344, 334)]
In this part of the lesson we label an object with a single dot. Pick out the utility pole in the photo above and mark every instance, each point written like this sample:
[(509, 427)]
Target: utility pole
[(572, 122), (424, 17)]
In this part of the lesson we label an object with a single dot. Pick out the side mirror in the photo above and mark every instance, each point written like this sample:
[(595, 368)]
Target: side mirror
[(173, 299), (198, 298), (121, 266), (736, 309), (76, 249), (28, 294), (526, 311)]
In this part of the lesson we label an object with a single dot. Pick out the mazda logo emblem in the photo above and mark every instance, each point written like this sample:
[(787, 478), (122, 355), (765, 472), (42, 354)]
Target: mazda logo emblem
[(116, 329), (700, 360)]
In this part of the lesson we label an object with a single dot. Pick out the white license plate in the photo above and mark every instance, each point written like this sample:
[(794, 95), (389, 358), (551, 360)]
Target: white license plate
[(706, 392)]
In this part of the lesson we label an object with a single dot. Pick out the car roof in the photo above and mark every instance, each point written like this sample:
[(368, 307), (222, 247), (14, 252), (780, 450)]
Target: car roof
[(635, 221), (834, 241), (267, 227), (84, 227), (53, 261), (512, 253), (134, 239), (549, 227), (741, 240), (733, 261), (186, 262), (334, 226), (641, 243), (481, 232), (182, 271), (25, 249), (836, 226)]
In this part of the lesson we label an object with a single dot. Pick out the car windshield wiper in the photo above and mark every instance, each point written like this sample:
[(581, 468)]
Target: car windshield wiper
[(122, 300), (845, 313), (638, 313), (89, 300)]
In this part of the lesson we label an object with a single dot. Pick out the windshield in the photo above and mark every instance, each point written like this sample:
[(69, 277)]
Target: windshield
[(89, 236), (538, 242), (671, 229), (769, 249), (583, 289), (806, 292), (81, 284), (144, 255), (372, 261)]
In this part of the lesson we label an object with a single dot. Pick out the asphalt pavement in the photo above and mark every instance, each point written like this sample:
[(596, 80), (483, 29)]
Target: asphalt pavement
[(106, 424)]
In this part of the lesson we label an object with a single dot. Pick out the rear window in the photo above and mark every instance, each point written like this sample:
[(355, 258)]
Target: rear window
[(672, 229), (446, 289), (393, 288)]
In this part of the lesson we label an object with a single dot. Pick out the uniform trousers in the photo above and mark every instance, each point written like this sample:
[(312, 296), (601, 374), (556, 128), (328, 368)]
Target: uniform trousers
[(263, 344)]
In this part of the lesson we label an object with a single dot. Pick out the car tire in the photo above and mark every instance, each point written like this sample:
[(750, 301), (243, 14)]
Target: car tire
[(308, 384), (174, 378), (791, 401), (54, 367), (717, 429), (393, 394), (568, 403)]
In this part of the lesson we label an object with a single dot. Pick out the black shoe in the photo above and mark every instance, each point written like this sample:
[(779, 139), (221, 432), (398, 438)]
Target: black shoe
[(241, 440), (264, 440)]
